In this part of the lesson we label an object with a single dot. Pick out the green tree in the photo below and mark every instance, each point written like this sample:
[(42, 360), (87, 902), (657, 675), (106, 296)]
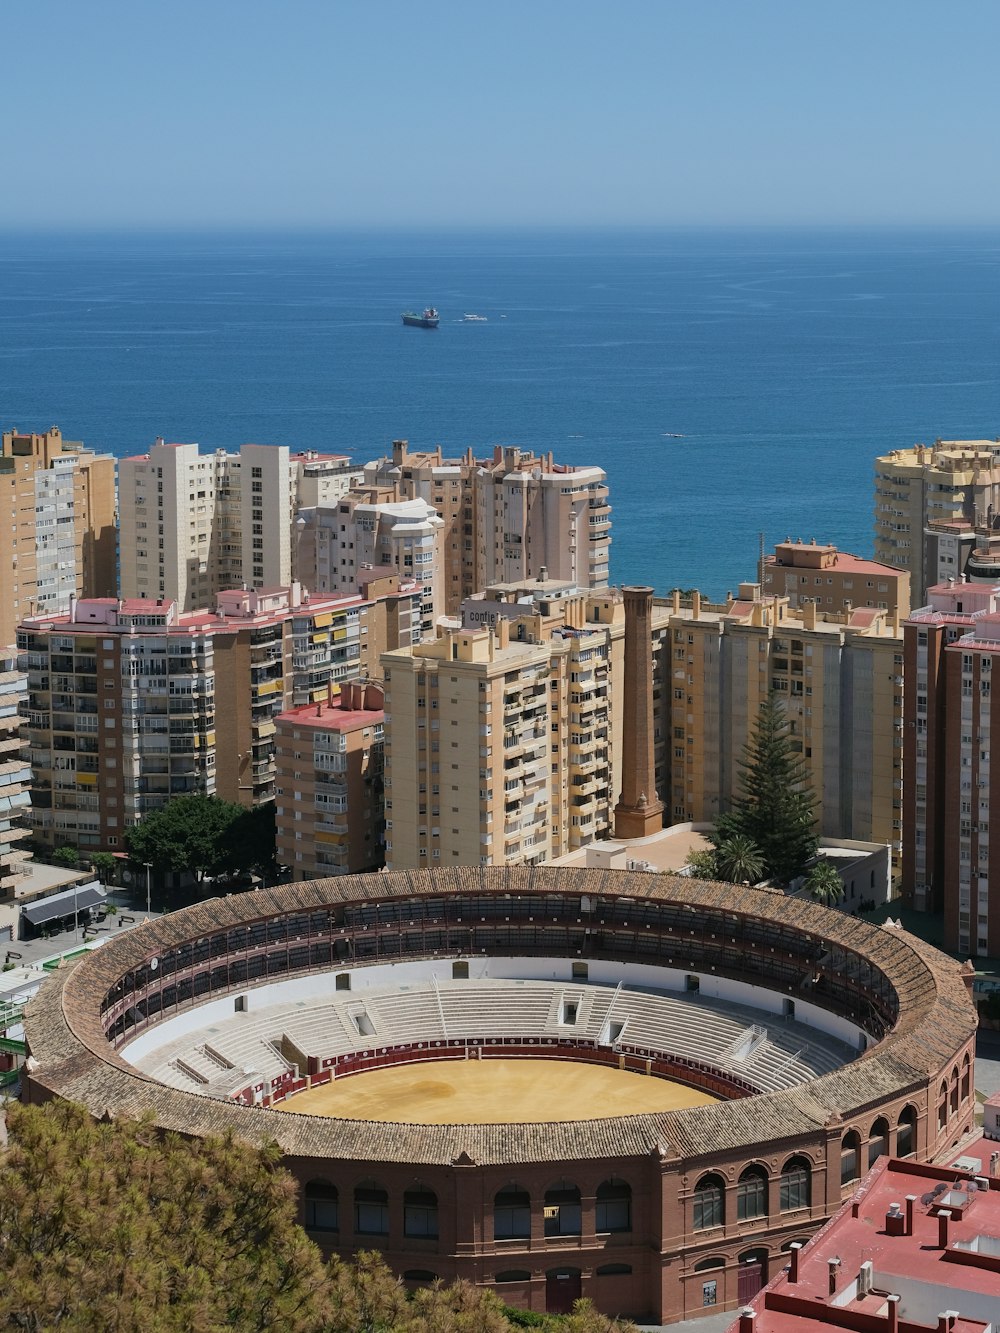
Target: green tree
[(740, 860), (109, 1225), (824, 884), (702, 864), (104, 865), (192, 835), (66, 856), (776, 805), (251, 839)]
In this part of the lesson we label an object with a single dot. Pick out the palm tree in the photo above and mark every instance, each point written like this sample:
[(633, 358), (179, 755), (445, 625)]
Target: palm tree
[(824, 884), (740, 860)]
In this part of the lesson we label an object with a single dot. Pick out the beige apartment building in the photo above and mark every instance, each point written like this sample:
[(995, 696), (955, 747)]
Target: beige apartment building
[(931, 501), (832, 580), (58, 536), (503, 738), (328, 784), (507, 517), (839, 676), (132, 701), (194, 524)]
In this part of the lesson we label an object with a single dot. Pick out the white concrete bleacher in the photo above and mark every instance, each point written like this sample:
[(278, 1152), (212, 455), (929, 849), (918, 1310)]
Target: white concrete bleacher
[(769, 1051)]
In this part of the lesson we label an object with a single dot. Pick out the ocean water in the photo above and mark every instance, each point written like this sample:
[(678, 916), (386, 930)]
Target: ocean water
[(731, 383)]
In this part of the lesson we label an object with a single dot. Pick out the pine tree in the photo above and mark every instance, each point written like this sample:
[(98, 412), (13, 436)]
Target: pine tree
[(777, 807)]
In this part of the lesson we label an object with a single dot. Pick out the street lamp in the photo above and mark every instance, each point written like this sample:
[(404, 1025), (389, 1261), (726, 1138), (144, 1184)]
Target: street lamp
[(149, 866)]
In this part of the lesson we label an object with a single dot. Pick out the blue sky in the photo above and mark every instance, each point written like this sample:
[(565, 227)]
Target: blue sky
[(548, 112)]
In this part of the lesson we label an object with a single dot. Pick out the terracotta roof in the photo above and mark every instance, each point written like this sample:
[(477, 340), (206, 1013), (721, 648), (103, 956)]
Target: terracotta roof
[(72, 1057)]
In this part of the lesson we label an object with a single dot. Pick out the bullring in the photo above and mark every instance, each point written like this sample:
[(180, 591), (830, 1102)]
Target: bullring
[(661, 1213)]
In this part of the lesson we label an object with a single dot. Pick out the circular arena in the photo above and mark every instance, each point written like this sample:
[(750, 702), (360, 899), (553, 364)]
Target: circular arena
[(557, 1082)]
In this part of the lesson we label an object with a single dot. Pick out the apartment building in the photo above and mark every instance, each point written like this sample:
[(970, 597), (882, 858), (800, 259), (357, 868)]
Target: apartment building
[(506, 517), (58, 536), (809, 572), (368, 528), (949, 802), (194, 524), (328, 784), (503, 738), (132, 701), (839, 675), (930, 501), (15, 775)]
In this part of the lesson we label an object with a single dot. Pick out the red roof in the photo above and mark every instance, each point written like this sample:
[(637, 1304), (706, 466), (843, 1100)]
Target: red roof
[(927, 1276)]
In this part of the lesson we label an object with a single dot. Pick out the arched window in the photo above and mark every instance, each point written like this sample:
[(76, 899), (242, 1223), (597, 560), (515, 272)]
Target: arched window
[(706, 1264), (751, 1194), (796, 1184), (878, 1140), (615, 1270), (906, 1132), (371, 1209), (321, 1201), (420, 1212), (709, 1203), (954, 1090), (966, 1083), (562, 1210), (943, 1105), (513, 1275), (614, 1206), (512, 1214), (850, 1157)]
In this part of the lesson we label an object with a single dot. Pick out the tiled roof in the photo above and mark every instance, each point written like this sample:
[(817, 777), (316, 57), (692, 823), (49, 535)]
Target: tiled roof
[(72, 1058)]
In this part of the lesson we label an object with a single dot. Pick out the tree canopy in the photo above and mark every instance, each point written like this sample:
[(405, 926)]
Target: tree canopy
[(776, 806), (824, 884), (203, 835), (108, 1225), (111, 1225)]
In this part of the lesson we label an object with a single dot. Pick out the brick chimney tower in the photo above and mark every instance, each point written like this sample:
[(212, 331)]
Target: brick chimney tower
[(638, 812)]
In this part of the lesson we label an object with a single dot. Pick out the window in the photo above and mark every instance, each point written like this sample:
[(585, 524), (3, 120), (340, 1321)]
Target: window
[(321, 1206), (512, 1214), (906, 1132), (614, 1206), (562, 1210), (850, 1157), (513, 1275), (796, 1184), (709, 1203), (878, 1140), (371, 1209), (420, 1213), (751, 1194)]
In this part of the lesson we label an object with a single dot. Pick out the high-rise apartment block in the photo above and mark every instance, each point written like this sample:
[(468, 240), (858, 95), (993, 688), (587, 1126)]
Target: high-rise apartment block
[(832, 580), (194, 524), (506, 517), (504, 738), (369, 529), (15, 775), (838, 675), (57, 526), (930, 503), (949, 862), (132, 701), (328, 784)]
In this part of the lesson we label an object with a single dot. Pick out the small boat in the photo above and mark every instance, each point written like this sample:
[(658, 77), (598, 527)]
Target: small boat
[(428, 320), (672, 435), (474, 319)]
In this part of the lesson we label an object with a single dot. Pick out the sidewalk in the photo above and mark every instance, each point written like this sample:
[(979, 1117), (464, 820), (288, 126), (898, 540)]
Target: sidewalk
[(40, 950)]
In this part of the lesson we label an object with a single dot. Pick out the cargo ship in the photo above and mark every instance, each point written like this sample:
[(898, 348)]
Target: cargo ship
[(428, 320)]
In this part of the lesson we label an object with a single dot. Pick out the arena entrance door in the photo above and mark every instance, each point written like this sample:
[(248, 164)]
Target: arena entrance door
[(752, 1275), (563, 1286)]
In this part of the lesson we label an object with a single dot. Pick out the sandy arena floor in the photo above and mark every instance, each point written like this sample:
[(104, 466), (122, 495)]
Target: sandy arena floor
[(493, 1092)]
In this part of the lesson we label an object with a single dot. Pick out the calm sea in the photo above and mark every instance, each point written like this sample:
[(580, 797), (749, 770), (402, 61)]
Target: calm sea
[(730, 383)]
